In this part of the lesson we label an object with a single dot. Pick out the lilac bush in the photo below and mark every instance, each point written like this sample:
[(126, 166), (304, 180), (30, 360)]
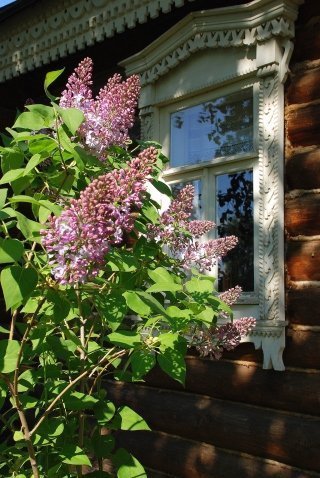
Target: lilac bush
[(96, 280)]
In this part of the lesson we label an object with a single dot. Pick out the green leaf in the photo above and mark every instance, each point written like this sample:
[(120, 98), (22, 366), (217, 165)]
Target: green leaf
[(72, 117), (164, 281), (197, 285), (79, 401), (112, 307), (206, 315), (136, 304), (74, 455), (122, 261), (9, 351), (18, 436), (30, 229), (47, 112), (104, 412), (125, 338), (27, 380), (30, 120), (17, 285), (141, 363), (131, 420), (3, 197), (32, 163), (128, 466), (51, 427), (12, 175), (162, 187), (102, 445), (150, 212), (152, 302), (12, 159), (51, 76), (173, 364), (3, 393), (11, 250)]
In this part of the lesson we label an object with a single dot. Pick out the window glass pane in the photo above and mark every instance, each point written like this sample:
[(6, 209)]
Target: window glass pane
[(235, 217), (222, 127), (196, 183)]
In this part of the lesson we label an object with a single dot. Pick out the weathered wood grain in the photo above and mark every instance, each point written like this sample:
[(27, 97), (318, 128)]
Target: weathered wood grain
[(262, 432), (303, 124), (303, 260), (246, 383), (302, 349), (302, 215), (183, 458), (302, 169), (303, 306), (304, 87)]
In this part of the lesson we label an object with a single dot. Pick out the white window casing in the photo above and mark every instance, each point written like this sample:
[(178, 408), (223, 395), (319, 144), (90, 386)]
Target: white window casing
[(213, 53)]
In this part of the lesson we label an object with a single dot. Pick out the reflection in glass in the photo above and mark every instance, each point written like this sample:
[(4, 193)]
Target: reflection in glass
[(222, 127), (235, 217), (196, 183)]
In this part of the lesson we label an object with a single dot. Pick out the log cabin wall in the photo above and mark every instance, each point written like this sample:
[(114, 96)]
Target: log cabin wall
[(233, 419)]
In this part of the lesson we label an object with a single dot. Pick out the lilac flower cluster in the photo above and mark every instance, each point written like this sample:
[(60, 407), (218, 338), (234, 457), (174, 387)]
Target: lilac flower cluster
[(107, 117), (78, 240), (211, 342), (180, 234)]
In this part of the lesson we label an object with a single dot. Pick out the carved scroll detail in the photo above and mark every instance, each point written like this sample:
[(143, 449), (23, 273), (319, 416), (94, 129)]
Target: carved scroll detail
[(269, 227)]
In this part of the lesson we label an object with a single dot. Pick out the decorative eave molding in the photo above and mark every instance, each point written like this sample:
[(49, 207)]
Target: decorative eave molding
[(237, 26), (37, 36)]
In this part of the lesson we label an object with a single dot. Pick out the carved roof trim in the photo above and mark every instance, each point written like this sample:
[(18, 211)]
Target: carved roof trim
[(235, 26), (50, 30)]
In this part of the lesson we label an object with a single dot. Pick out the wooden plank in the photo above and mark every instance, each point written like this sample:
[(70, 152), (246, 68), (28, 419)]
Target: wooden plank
[(303, 306), (302, 215), (304, 87), (302, 349), (243, 428), (303, 169), (249, 384), (183, 458), (303, 124), (307, 43), (303, 260)]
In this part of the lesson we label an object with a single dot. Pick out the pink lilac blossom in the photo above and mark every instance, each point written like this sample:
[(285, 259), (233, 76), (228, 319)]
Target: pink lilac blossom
[(212, 342), (180, 234), (78, 240), (110, 115)]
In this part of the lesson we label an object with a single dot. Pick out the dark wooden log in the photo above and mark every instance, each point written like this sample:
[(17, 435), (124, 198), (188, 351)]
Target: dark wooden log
[(247, 384), (307, 11), (302, 215), (303, 306), (303, 169), (304, 87), (289, 438), (303, 124), (183, 458), (302, 349), (307, 43), (303, 260)]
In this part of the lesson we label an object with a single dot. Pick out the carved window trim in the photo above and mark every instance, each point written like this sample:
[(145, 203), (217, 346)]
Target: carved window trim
[(266, 27)]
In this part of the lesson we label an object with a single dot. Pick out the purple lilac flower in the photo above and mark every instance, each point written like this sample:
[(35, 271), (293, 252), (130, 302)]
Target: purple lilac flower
[(78, 240), (110, 115), (180, 234), (212, 342)]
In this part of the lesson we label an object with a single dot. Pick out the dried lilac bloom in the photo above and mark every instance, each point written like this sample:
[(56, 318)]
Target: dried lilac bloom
[(78, 240), (180, 234), (211, 342), (110, 115), (231, 296)]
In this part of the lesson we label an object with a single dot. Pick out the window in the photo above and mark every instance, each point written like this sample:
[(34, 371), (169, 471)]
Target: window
[(212, 94), (212, 146)]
